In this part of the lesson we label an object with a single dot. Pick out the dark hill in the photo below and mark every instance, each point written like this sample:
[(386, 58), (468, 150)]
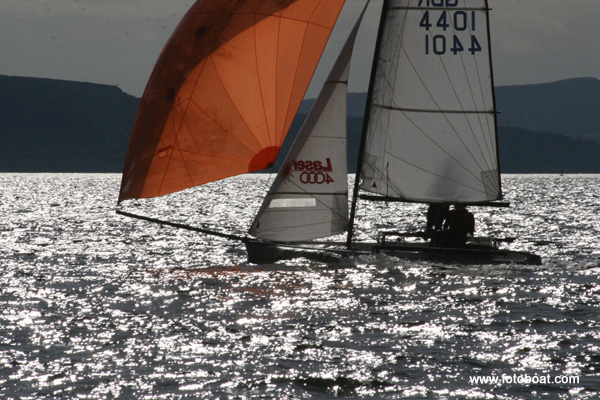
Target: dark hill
[(356, 105), (522, 151), (570, 107), (61, 126)]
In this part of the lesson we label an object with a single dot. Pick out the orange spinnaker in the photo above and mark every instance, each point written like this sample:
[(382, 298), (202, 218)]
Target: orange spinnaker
[(224, 92)]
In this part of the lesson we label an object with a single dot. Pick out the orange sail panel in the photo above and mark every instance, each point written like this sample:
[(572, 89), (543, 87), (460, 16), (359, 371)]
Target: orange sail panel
[(224, 92)]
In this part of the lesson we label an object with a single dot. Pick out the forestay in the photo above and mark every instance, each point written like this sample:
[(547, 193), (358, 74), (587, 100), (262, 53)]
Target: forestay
[(431, 129)]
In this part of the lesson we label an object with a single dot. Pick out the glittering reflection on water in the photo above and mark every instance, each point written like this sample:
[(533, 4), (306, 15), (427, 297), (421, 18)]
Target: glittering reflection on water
[(98, 306)]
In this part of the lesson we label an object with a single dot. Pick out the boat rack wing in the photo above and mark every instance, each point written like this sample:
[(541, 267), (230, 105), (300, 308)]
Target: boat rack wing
[(497, 203)]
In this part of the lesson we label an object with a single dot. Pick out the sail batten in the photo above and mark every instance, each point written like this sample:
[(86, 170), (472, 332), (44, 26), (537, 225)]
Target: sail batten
[(423, 110), (425, 8)]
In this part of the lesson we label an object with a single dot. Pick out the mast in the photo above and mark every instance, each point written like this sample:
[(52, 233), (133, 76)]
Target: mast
[(363, 137)]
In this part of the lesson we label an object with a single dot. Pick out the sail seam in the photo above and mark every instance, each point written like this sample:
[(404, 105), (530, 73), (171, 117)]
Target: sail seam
[(262, 95)]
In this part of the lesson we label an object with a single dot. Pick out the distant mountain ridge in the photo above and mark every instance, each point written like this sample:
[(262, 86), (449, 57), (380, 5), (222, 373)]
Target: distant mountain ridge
[(61, 126), (570, 107), (52, 125), (523, 151)]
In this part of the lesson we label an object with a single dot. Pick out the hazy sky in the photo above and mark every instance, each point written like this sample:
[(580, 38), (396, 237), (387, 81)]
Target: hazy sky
[(116, 42)]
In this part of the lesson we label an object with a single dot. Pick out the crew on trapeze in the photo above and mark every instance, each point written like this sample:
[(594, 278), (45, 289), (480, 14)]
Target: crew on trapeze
[(456, 224)]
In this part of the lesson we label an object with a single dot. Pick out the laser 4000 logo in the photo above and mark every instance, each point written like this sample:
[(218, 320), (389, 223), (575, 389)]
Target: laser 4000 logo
[(313, 172)]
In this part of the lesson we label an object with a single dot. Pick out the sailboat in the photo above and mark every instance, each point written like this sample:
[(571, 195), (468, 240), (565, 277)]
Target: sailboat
[(229, 82)]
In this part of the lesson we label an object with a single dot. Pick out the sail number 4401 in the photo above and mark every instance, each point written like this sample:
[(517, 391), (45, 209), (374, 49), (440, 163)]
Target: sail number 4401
[(457, 22)]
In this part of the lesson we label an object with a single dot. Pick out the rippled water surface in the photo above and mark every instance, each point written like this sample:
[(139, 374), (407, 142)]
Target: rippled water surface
[(98, 306)]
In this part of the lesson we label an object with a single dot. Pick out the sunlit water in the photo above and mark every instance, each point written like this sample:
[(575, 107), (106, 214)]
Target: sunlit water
[(98, 306)]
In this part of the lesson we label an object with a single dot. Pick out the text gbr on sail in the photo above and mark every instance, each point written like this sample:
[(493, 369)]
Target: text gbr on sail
[(438, 3)]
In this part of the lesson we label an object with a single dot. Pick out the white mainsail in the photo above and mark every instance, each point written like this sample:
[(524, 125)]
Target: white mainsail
[(431, 130), (309, 197)]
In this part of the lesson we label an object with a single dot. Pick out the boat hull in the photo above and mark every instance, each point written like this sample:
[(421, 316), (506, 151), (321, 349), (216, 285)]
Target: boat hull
[(266, 252)]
